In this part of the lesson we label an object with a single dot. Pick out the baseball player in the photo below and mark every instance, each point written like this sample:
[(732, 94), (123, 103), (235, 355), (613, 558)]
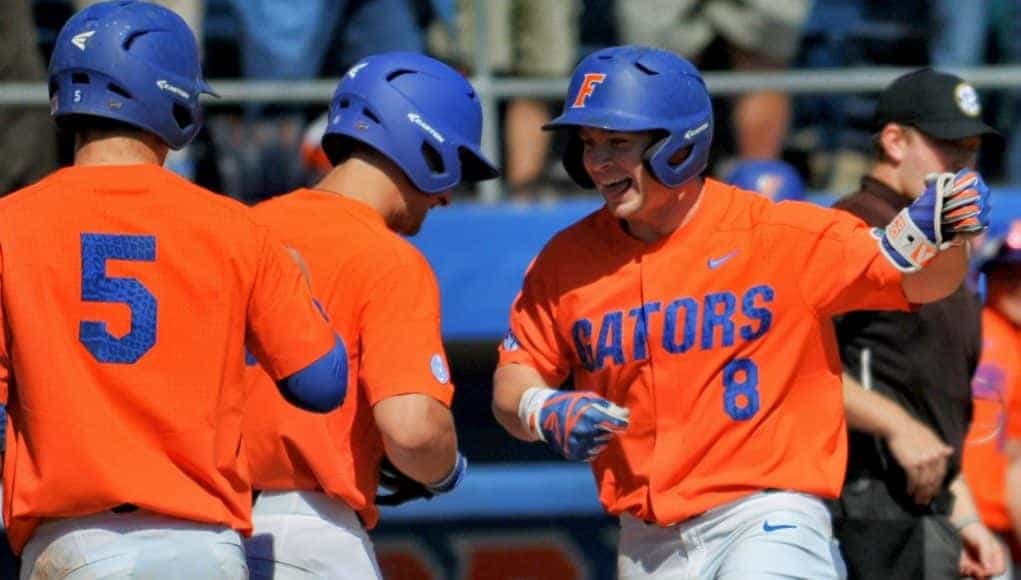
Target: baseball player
[(124, 291), (992, 449), (404, 130), (695, 320)]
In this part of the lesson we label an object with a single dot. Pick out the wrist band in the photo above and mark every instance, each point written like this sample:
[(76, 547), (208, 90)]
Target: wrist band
[(528, 409), (453, 478)]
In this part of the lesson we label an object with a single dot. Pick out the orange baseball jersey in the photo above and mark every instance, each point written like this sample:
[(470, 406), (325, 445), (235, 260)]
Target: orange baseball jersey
[(718, 340), (125, 292), (382, 297), (996, 392)]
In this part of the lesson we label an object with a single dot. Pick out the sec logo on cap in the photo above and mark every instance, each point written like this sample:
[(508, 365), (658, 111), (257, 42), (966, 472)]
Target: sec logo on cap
[(967, 100)]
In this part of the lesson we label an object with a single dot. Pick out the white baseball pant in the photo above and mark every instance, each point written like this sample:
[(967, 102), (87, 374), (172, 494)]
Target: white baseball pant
[(307, 534), (765, 535), (136, 544)]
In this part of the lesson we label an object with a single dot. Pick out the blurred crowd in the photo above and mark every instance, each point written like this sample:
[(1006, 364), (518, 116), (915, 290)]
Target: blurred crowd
[(251, 152)]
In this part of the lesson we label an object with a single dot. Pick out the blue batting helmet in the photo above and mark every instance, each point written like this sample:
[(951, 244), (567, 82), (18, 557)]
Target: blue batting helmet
[(418, 112), (772, 178), (1002, 246), (637, 88), (133, 62)]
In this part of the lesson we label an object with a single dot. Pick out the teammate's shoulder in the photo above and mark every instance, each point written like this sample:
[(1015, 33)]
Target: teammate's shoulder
[(578, 234), (748, 210), (29, 192), (284, 200), (401, 253), (802, 215), (733, 208), (201, 203)]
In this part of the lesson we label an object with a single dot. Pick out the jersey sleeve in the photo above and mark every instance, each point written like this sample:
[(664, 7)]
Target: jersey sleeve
[(402, 346), (532, 339), (285, 330), (5, 358), (1013, 426), (837, 262)]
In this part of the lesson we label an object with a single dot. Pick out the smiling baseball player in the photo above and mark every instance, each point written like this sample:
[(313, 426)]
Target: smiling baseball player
[(694, 318)]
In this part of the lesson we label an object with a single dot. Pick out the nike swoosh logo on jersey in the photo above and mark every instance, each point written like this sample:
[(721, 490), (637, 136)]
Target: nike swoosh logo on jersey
[(768, 528), (717, 262)]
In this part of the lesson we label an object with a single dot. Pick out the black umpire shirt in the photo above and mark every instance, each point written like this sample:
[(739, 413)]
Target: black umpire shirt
[(923, 360)]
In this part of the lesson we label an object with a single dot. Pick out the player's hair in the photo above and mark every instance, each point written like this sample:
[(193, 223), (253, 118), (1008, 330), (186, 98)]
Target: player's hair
[(131, 62), (636, 89), (415, 110)]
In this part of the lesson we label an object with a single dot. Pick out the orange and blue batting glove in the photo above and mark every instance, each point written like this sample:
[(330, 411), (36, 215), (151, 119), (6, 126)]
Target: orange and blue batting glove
[(577, 425), (952, 206)]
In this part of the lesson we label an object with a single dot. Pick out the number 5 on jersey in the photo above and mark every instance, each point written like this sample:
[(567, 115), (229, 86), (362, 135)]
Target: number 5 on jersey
[(97, 249)]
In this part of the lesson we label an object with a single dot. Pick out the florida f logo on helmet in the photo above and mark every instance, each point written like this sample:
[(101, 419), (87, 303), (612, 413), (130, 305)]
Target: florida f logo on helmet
[(588, 86)]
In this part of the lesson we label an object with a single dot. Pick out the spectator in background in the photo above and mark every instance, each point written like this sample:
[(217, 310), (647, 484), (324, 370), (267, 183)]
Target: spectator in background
[(775, 179), (284, 40), (191, 11), (527, 38), (758, 35), (961, 33), (992, 451), (905, 509), (28, 149)]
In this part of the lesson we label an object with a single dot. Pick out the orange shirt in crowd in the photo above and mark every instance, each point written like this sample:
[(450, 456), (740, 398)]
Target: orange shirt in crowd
[(996, 392), (382, 297), (126, 291), (717, 338)]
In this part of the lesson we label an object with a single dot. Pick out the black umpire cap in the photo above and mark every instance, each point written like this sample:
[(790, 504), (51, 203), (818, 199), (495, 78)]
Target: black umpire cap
[(939, 104)]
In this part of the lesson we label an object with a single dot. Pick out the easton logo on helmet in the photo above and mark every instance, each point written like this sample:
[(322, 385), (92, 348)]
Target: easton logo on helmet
[(692, 132), (166, 86), (588, 85), (354, 70), (79, 40), (417, 119)]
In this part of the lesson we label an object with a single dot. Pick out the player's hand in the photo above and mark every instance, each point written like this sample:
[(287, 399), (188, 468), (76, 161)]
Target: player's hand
[(577, 425), (981, 555), (923, 456), (403, 488), (951, 207)]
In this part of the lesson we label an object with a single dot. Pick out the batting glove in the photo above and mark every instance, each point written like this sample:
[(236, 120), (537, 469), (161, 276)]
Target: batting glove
[(952, 205), (402, 488), (577, 425)]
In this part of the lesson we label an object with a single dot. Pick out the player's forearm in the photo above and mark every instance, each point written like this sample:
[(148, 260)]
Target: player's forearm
[(418, 436), (964, 511), (509, 383), (869, 411), (939, 278)]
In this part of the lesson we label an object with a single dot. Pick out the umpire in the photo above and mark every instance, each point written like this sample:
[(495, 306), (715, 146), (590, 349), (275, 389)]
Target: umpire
[(906, 511)]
